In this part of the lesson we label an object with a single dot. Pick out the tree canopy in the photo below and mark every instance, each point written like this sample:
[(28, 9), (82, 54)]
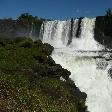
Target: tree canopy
[(109, 12)]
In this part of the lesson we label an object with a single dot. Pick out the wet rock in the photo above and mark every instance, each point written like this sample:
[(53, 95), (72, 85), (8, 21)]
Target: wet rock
[(79, 27), (110, 72)]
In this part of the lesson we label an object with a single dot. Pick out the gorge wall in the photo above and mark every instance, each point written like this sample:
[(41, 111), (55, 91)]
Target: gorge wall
[(103, 30), (24, 26)]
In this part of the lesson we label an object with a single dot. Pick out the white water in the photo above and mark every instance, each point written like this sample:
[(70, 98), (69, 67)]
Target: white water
[(56, 33), (31, 31), (95, 82), (86, 40)]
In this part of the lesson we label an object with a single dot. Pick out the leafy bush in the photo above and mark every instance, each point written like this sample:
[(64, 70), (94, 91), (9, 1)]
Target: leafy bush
[(26, 43)]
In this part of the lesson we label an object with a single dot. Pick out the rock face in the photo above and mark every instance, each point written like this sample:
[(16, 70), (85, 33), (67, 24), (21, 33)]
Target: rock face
[(103, 30), (78, 32)]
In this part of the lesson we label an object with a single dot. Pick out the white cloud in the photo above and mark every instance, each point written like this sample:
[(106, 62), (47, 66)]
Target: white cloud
[(83, 12), (77, 10), (87, 12)]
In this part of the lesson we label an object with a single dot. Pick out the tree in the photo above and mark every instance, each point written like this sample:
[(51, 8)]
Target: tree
[(109, 12)]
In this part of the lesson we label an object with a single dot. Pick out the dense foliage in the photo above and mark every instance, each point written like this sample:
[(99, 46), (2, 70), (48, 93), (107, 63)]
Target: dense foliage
[(30, 80), (27, 20)]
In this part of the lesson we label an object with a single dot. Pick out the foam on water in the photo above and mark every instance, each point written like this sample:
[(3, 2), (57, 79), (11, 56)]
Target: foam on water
[(94, 82)]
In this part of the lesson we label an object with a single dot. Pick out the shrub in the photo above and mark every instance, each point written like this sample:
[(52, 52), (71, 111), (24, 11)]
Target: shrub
[(26, 43)]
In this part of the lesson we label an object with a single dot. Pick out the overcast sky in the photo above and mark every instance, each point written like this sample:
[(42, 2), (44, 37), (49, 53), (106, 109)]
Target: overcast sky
[(54, 9)]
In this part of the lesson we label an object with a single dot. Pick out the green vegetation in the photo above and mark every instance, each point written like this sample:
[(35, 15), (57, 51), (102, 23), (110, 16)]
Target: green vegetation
[(30, 80), (26, 20)]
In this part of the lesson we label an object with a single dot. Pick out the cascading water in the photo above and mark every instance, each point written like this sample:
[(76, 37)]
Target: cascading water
[(32, 31), (87, 72), (56, 33), (86, 41)]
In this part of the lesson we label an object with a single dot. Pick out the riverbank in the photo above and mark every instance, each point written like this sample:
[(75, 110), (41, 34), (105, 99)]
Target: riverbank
[(30, 80)]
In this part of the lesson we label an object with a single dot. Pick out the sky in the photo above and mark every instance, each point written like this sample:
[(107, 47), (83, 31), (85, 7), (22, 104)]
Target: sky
[(54, 9)]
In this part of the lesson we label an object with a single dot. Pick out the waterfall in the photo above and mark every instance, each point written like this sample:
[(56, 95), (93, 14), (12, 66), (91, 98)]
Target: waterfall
[(56, 33), (86, 40), (32, 31), (89, 74)]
